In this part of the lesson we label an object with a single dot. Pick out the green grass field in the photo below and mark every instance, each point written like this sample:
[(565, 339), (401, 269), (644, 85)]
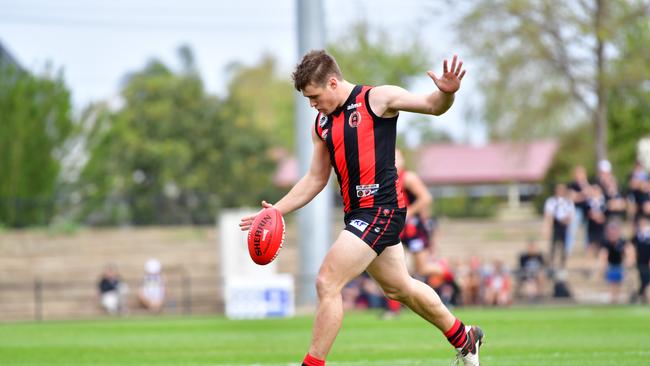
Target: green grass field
[(518, 336)]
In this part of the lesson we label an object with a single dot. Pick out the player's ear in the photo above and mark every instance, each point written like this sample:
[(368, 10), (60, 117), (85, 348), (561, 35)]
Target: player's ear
[(333, 82)]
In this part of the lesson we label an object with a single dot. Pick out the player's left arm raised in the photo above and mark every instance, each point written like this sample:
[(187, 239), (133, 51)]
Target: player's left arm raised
[(388, 100)]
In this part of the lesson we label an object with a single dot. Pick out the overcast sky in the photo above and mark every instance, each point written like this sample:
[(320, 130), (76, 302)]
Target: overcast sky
[(97, 42)]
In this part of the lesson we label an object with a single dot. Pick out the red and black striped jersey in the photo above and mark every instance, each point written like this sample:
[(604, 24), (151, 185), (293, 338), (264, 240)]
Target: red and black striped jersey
[(362, 151)]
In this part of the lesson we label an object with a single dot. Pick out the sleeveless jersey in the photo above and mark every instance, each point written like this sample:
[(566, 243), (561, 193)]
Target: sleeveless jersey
[(362, 151)]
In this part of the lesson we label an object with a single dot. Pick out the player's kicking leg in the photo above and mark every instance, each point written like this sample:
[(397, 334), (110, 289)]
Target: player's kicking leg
[(389, 270), (346, 259)]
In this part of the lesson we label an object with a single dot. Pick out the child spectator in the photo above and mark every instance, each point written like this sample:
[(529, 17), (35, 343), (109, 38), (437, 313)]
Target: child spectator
[(614, 251), (531, 272), (498, 285)]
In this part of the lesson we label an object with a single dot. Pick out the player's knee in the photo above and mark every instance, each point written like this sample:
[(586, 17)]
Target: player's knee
[(325, 286)]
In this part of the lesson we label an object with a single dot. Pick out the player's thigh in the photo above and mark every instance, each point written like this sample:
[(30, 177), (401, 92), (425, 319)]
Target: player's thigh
[(389, 269), (347, 258)]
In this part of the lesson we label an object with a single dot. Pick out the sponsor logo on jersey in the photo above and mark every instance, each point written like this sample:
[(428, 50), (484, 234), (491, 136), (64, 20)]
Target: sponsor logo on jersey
[(324, 133), (367, 190), (355, 119), (359, 224), (353, 106), (323, 120)]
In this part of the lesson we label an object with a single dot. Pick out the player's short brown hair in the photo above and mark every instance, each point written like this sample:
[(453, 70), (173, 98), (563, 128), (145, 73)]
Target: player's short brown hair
[(316, 67)]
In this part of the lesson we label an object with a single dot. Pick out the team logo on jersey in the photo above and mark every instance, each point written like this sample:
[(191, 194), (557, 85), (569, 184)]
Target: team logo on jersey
[(324, 133), (366, 190), (355, 119), (359, 224), (353, 106), (323, 120)]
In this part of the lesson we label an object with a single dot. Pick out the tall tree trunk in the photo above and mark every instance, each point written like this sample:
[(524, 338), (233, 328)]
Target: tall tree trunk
[(600, 114)]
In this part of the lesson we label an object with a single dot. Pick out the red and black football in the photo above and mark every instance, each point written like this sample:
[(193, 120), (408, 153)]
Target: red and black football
[(266, 236)]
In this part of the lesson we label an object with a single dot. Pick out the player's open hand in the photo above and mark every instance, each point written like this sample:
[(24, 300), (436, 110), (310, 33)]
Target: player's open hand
[(449, 82), (246, 221)]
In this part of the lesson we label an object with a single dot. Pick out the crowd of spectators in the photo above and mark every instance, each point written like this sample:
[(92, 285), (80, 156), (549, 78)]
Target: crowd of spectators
[(613, 219), (605, 222)]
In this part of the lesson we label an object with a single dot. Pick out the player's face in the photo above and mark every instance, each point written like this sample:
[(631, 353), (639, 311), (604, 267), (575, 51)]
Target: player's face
[(322, 97)]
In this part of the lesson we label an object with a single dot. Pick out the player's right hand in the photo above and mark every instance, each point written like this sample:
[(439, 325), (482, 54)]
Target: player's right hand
[(246, 221)]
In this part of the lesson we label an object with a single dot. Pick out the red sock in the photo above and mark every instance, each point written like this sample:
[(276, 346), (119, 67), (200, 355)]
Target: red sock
[(456, 335), (393, 305), (312, 361)]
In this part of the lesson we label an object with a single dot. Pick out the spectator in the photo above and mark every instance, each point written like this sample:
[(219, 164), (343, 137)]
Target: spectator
[(442, 280), (596, 210), (498, 285), (615, 250), (558, 213), (636, 183), (531, 272), (578, 190), (371, 296), (472, 282), (351, 294), (638, 187), (152, 292), (616, 205), (642, 245), (112, 291)]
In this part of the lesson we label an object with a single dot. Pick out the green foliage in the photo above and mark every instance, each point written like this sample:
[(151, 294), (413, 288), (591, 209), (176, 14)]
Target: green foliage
[(575, 149), (259, 98), (367, 57), (465, 206), (172, 153), (544, 72), (628, 118), (629, 103), (35, 123)]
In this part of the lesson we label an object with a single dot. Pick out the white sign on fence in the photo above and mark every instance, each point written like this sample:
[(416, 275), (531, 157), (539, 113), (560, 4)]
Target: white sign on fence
[(250, 290)]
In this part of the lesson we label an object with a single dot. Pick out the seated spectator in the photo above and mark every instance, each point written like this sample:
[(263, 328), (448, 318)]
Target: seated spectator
[(152, 292), (350, 294), (442, 280), (498, 285), (531, 272), (112, 291), (471, 282), (371, 295)]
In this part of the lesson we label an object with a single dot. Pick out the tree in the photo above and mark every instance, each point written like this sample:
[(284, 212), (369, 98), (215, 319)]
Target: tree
[(373, 58), (548, 63), (172, 154), (35, 123), (629, 104), (258, 97)]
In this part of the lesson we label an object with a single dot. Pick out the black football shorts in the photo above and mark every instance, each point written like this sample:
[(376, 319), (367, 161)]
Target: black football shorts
[(378, 227)]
